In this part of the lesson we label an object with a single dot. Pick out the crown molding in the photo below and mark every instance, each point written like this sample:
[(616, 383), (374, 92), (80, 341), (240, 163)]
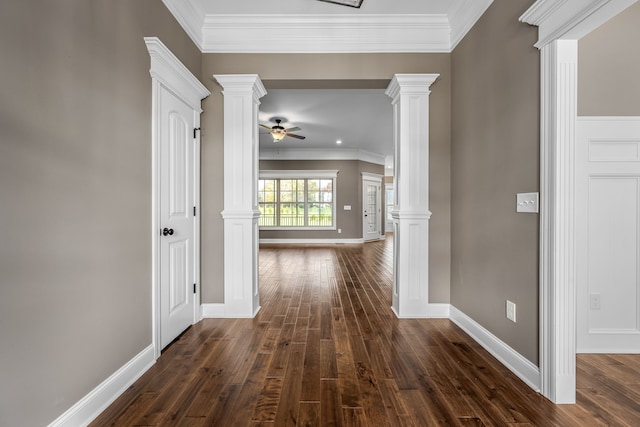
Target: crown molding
[(265, 33), (464, 18), (189, 16), (570, 19), (320, 154), (326, 33)]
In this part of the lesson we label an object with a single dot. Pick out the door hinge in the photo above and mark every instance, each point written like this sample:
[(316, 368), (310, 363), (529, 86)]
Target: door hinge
[(194, 288), (194, 132), (194, 211)]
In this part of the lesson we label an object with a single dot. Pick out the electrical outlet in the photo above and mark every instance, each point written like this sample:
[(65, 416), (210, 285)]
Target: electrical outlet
[(595, 301), (511, 311), (339, 230)]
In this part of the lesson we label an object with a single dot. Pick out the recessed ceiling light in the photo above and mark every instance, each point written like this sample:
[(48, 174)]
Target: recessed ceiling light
[(338, 142)]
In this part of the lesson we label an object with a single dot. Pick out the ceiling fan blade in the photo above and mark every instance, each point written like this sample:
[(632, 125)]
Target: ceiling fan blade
[(265, 126), (293, 129), (296, 136)]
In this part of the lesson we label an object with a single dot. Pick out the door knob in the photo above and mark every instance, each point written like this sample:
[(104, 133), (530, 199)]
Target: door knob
[(167, 231)]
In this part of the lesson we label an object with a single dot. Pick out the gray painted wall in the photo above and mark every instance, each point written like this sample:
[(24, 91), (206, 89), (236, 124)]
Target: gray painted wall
[(609, 67), (304, 71), (348, 191), (495, 154), (75, 180)]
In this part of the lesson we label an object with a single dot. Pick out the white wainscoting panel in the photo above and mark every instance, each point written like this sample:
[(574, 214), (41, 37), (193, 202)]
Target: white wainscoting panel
[(608, 234)]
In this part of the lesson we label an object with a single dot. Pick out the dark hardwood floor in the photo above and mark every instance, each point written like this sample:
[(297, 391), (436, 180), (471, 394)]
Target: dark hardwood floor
[(325, 350)]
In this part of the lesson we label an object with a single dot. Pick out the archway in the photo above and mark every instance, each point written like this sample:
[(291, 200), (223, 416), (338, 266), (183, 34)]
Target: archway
[(410, 99)]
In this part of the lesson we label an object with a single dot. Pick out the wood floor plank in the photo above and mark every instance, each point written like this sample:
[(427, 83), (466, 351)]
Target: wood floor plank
[(331, 404), (288, 406), (311, 368), (267, 404), (326, 350), (309, 414)]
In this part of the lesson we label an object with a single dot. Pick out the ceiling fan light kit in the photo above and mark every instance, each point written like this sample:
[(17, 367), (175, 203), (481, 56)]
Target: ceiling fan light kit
[(352, 3), (278, 132)]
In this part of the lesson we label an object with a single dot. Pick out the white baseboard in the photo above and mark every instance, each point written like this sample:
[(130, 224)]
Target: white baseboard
[(221, 311), (608, 351), (92, 405), (310, 241), (212, 311), (431, 311), (519, 365)]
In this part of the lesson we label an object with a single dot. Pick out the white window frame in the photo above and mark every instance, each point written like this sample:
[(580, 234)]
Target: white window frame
[(305, 174)]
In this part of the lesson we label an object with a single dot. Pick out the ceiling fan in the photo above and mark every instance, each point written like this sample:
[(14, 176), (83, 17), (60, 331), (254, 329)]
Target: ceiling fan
[(278, 132)]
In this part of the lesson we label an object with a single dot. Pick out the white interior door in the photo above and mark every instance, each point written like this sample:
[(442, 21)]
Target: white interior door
[(371, 212), (177, 251), (388, 206), (608, 235)]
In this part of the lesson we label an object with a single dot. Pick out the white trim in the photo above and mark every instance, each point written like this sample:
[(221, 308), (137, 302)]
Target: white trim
[(172, 73), (241, 98), (167, 71), (377, 180), (514, 361), (570, 19), (302, 174), (321, 154), (196, 222), (588, 350), (429, 311), (325, 33), (464, 18), (98, 399), (189, 16), (311, 241), (557, 245), (409, 95), (608, 118), (559, 25), (305, 175), (372, 176), (224, 311)]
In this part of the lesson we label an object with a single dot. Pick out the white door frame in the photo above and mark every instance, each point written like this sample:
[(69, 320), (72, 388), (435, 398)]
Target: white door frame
[(560, 26), (366, 176), (168, 72)]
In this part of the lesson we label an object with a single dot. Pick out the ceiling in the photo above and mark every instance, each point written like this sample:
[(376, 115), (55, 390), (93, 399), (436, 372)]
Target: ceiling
[(362, 119)]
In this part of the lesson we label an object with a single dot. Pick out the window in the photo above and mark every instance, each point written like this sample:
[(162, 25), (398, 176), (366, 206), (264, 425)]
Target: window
[(297, 199)]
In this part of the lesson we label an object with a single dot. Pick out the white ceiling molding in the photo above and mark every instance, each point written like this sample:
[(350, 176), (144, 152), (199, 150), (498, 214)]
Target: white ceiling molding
[(464, 17), (570, 19), (189, 16), (319, 154), (325, 33)]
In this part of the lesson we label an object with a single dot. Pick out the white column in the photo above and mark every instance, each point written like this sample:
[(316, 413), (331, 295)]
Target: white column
[(410, 99), (557, 247), (241, 99)]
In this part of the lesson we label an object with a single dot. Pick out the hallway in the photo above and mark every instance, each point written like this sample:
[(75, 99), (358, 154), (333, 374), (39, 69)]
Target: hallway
[(325, 349)]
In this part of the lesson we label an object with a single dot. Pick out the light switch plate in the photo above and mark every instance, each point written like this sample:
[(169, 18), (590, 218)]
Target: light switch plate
[(511, 311), (347, 207), (527, 202)]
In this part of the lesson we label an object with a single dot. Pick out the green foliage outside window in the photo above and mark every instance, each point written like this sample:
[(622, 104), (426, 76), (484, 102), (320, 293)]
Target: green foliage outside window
[(295, 202)]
